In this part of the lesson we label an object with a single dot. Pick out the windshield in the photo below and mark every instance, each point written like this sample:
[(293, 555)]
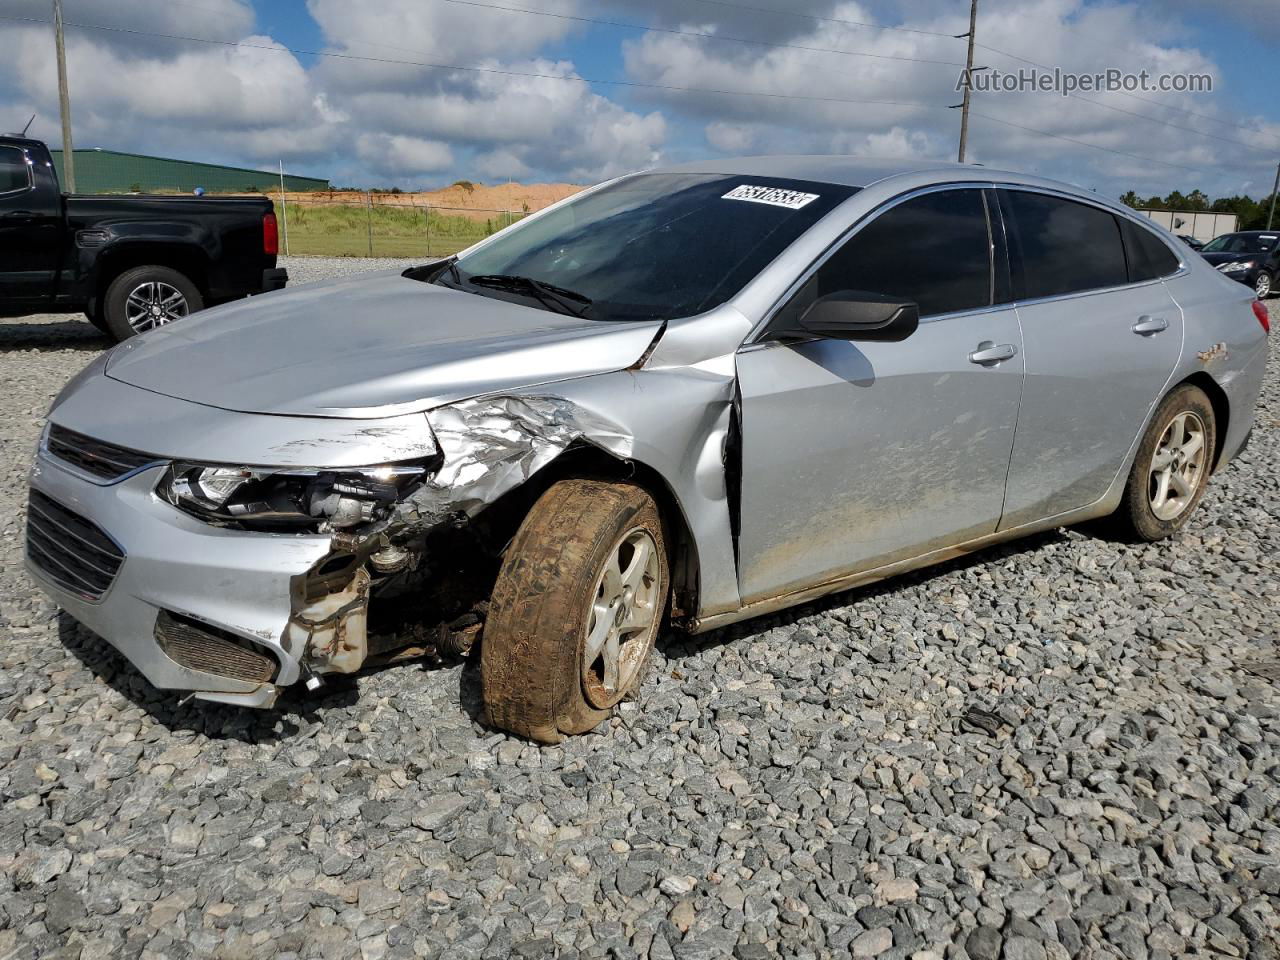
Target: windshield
[(652, 246), (1242, 243)]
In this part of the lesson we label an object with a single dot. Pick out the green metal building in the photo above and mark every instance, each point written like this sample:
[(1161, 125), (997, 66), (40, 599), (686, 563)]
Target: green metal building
[(107, 171)]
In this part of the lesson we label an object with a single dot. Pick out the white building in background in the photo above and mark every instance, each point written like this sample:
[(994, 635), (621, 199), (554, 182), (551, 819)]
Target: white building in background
[(1201, 224)]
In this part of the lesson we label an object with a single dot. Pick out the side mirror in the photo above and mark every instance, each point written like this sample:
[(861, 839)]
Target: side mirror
[(858, 315)]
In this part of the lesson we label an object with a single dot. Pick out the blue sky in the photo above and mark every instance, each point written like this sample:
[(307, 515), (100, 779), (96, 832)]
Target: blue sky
[(366, 123)]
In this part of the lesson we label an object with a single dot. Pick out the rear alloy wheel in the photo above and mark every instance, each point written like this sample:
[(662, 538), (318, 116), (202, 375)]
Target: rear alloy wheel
[(1262, 285), (1171, 470), (575, 611), (144, 298)]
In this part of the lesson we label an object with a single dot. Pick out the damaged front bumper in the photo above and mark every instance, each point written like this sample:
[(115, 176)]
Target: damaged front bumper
[(233, 614), (239, 585)]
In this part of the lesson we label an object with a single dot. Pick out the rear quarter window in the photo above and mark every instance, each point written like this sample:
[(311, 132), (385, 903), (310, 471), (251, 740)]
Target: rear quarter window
[(1062, 246), (1149, 257)]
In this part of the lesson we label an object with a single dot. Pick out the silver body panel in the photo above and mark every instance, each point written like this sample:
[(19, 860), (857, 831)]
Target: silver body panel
[(1090, 383), (914, 449), (857, 460)]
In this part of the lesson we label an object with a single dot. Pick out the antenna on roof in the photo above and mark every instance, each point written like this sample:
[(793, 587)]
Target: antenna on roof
[(28, 126)]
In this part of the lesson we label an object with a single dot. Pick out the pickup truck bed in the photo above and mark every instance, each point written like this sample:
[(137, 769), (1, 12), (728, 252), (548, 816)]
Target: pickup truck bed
[(127, 262)]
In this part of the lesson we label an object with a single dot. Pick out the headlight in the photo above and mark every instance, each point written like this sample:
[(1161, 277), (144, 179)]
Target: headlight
[(1238, 266), (287, 499)]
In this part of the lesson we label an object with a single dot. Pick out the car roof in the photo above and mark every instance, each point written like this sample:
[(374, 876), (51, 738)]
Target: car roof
[(862, 172)]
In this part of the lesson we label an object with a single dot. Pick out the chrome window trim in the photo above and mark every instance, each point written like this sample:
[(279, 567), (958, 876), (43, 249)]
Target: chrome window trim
[(758, 330), (753, 337), (31, 181)]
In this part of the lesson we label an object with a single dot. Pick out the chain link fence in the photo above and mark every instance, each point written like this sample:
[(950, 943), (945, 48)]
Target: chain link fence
[(352, 224)]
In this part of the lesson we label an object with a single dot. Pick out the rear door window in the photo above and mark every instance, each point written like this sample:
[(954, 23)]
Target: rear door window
[(14, 174), (934, 249), (1061, 246), (1149, 257)]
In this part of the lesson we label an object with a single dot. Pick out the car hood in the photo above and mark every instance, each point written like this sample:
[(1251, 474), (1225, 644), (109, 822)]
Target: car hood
[(1218, 259), (370, 347)]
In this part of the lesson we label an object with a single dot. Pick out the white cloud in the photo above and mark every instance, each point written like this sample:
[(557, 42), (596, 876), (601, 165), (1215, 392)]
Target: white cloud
[(186, 101), (737, 138), (414, 124), (425, 31), (501, 164), (1079, 35), (403, 156)]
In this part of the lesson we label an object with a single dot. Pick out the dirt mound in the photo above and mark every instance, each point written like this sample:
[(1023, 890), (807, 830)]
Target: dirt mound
[(463, 198)]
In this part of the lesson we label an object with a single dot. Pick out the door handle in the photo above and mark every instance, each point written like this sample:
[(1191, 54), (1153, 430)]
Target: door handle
[(1148, 325), (989, 353), (20, 215)]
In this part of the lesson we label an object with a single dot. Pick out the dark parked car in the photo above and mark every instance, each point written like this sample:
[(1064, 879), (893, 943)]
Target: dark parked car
[(1251, 256), (129, 263), (1191, 241)]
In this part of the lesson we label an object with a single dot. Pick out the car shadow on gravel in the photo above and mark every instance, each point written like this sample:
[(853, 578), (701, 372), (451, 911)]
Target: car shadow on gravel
[(296, 707), (58, 335), (678, 647)]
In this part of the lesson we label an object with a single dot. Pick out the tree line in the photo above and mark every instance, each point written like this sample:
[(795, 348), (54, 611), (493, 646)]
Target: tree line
[(1251, 213)]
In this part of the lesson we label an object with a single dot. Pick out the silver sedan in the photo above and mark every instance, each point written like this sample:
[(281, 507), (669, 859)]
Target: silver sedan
[(688, 396)]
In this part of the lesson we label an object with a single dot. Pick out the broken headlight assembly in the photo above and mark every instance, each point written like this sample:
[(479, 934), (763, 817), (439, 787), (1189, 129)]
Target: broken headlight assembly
[(262, 498)]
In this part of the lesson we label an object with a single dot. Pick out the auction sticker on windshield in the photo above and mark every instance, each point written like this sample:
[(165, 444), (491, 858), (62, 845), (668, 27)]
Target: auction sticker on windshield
[(774, 196)]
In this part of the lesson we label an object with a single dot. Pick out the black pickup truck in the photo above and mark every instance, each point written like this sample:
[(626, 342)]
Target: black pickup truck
[(128, 262)]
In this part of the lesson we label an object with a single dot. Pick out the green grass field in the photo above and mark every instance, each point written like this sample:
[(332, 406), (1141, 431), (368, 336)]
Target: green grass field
[(344, 231)]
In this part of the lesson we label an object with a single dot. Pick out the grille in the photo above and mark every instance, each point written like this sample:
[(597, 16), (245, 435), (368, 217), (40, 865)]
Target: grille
[(198, 646), (94, 457), (69, 549)]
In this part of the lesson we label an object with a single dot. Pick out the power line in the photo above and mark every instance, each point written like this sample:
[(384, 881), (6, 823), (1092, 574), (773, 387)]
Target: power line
[(810, 16), (1123, 93), (1175, 126), (855, 53), (1083, 143), (584, 80), (701, 34), (274, 48), (996, 50)]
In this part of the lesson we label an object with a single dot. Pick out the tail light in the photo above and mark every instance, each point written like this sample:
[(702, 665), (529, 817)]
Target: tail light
[(270, 235), (1260, 311)]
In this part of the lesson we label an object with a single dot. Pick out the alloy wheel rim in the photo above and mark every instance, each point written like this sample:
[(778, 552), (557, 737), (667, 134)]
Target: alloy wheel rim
[(153, 304), (1263, 286), (623, 618), (1177, 466)]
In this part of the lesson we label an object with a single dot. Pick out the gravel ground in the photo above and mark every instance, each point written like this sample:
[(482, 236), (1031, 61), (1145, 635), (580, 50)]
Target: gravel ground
[(806, 785)]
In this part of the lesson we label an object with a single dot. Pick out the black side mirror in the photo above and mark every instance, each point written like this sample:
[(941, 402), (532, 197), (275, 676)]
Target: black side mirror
[(859, 315)]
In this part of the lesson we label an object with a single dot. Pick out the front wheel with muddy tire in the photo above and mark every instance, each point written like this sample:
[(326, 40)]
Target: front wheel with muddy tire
[(575, 611)]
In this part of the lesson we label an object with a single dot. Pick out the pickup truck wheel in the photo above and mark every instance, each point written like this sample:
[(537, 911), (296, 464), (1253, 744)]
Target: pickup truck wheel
[(93, 312), (575, 610), (147, 297)]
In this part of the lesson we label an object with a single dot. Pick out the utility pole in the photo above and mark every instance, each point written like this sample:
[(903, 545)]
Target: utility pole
[(1274, 190), (284, 210), (64, 103), (968, 78)]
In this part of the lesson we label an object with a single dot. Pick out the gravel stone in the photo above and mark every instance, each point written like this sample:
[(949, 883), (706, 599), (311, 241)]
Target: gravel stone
[(802, 785), (872, 943)]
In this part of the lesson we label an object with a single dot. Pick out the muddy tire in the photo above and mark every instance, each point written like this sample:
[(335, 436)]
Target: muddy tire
[(575, 611), (1171, 470)]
